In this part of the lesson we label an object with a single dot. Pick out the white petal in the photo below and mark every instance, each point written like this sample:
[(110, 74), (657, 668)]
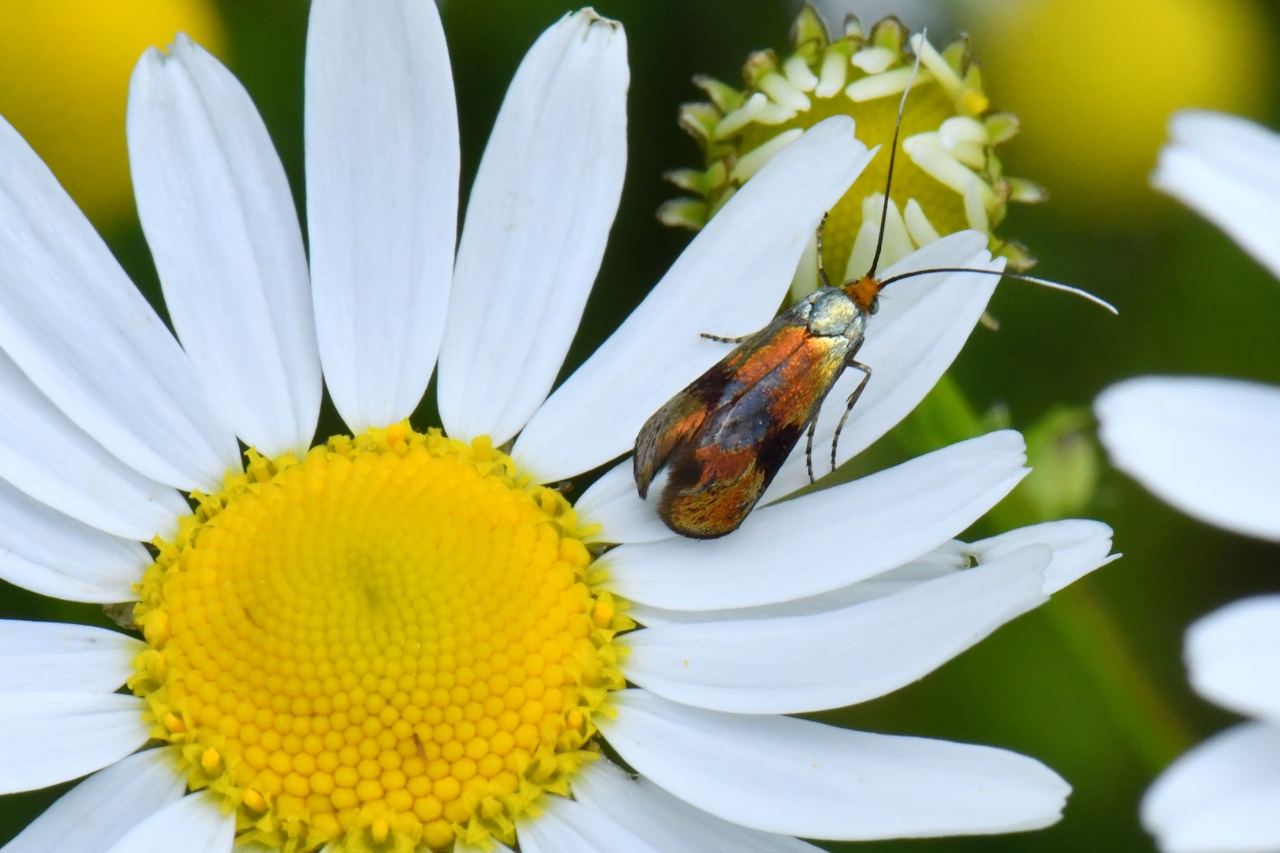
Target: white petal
[(1079, 546), (729, 281), (1221, 797), (668, 823), (100, 810), (537, 221), (52, 737), (895, 246), (826, 540), (568, 827), (77, 326), (1229, 138), (797, 777), (64, 656), (612, 503), (219, 217), (946, 559), (47, 552), (921, 327), (194, 824), (1233, 657), (382, 200), (56, 462), (918, 225), (1207, 446), (1227, 170), (794, 664)]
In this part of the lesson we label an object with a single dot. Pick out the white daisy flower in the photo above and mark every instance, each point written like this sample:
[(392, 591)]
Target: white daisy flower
[(401, 640), (1206, 446)]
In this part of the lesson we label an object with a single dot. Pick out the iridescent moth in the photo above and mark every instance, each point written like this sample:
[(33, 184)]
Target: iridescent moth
[(724, 437)]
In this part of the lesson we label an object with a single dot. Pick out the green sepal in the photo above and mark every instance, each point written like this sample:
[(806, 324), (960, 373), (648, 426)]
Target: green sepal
[(685, 179), (1026, 192), (956, 55), (699, 120), (847, 47), (700, 181), (1019, 256), (853, 28), (758, 64), (684, 212), (996, 215), (890, 33), (725, 97), (1001, 127), (973, 76), (809, 27), (812, 52)]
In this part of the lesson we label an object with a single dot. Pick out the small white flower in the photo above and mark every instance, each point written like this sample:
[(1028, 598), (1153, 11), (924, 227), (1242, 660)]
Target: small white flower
[(1206, 445), (399, 640), (1224, 795)]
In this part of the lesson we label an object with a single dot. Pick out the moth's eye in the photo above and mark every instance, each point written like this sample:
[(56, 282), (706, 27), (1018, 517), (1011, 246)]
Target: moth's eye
[(875, 304)]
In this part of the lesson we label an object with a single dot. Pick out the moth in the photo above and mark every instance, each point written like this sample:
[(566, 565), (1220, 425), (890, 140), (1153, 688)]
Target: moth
[(724, 437)]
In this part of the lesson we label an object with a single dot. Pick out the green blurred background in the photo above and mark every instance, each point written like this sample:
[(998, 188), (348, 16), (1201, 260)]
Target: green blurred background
[(1092, 684)]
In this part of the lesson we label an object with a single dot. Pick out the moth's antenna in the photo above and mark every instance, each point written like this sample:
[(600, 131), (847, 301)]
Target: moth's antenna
[(1052, 285), (822, 270), (893, 156)]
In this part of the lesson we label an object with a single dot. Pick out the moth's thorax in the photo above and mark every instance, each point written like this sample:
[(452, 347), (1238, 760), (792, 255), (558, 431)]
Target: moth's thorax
[(833, 313)]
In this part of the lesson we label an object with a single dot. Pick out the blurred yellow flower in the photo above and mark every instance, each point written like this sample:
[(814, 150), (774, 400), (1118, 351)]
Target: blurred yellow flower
[(1095, 82), (64, 77)]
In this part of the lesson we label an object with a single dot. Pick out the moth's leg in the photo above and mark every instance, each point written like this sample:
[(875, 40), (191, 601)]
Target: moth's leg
[(808, 447), (853, 399), (822, 272), (723, 340)]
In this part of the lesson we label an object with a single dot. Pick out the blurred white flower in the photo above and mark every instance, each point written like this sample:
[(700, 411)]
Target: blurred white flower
[(1208, 447), (1224, 795)]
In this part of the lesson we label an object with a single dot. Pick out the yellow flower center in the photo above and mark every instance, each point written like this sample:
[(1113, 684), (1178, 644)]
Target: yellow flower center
[(391, 643)]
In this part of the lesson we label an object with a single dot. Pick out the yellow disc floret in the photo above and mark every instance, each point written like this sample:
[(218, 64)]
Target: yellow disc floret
[(387, 645)]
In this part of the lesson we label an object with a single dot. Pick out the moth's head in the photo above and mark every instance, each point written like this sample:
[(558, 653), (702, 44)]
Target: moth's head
[(865, 293)]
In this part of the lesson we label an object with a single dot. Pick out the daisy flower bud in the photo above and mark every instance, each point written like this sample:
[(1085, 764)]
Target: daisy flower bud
[(949, 178)]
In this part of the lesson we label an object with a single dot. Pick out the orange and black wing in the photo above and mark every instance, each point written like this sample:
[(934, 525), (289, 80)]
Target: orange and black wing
[(682, 419), (724, 437)]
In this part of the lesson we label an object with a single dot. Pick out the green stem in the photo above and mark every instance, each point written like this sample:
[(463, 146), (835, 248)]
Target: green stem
[(1138, 708)]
